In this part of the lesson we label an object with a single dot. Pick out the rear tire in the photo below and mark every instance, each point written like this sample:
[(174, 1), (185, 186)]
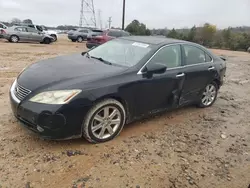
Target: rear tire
[(104, 121), (46, 41), (209, 95), (79, 39), (14, 39)]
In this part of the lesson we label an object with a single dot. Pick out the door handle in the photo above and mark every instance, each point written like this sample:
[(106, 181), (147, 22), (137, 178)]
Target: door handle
[(180, 75), (211, 68)]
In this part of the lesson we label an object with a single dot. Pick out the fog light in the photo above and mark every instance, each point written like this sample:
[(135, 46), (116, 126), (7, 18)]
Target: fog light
[(40, 129)]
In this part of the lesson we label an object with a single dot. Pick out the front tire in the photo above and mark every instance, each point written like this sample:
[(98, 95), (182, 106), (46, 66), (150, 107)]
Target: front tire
[(104, 121), (209, 95), (46, 41)]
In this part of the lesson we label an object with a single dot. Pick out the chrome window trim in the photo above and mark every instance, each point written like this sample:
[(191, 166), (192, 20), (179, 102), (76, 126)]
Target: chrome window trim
[(140, 71)]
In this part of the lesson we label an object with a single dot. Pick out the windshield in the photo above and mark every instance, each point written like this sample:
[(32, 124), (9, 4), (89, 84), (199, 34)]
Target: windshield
[(44, 28), (121, 52)]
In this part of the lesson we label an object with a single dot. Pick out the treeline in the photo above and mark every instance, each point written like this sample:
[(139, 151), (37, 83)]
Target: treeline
[(208, 35)]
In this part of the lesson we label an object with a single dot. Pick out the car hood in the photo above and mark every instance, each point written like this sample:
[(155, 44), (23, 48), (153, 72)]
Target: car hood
[(47, 73)]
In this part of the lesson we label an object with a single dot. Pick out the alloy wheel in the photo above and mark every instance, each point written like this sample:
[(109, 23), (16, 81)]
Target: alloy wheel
[(14, 39), (106, 122), (209, 95), (79, 39)]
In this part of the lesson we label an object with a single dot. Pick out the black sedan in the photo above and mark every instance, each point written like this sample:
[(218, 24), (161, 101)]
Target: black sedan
[(94, 94)]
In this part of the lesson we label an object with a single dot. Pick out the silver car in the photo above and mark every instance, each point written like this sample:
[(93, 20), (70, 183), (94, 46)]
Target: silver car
[(26, 34)]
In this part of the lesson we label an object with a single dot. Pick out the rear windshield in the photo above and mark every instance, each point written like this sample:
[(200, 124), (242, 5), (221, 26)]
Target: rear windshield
[(97, 32)]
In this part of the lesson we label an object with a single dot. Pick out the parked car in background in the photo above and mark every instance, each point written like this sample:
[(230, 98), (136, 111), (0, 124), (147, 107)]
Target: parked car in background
[(2, 28), (26, 34), (42, 29), (78, 34), (81, 34), (105, 36), (94, 94)]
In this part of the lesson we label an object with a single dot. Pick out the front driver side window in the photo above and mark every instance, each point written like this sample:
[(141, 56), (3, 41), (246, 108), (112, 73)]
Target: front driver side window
[(169, 55)]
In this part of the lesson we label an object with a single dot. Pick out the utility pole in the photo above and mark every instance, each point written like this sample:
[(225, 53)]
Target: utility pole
[(123, 15), (109, 21)]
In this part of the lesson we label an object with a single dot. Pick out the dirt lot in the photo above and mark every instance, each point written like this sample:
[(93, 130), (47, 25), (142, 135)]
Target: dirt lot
[(189, 147)]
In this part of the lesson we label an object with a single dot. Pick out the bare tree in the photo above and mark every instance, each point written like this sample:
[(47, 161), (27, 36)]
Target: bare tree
[(16, 21)]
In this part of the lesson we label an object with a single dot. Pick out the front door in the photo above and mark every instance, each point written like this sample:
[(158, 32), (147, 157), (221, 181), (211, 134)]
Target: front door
[(199, 71), (160, 91), (34, 35)]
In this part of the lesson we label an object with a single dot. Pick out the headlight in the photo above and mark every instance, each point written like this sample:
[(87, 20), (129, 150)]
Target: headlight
[(55, 97)]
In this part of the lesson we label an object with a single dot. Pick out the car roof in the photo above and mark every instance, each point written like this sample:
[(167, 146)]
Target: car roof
[(153, 40)]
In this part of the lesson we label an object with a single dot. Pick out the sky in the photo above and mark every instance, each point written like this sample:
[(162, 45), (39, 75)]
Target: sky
[(153, 13)]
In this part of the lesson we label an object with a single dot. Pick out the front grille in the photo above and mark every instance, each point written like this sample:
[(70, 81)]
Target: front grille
[(21, 92)]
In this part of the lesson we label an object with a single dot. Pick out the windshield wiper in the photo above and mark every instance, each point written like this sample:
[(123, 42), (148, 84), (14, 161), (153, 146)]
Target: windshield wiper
[(102, 60)]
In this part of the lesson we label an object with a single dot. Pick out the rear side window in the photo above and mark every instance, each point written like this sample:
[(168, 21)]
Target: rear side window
[(114, 34), (32, 30), (83, 31), (21, 29), (194, 55)]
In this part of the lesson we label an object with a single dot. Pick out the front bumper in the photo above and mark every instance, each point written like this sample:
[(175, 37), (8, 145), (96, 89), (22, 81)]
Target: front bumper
[(56, 122)]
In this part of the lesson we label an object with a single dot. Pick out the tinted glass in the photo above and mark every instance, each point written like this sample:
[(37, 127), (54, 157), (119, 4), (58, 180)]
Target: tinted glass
[(114, 33), (170, 56), (121, 52), (32, 30), (96, 32), (39, 28), (194, 55)]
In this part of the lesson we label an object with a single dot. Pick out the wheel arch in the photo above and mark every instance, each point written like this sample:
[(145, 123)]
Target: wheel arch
[(15, 36), (119, 99)]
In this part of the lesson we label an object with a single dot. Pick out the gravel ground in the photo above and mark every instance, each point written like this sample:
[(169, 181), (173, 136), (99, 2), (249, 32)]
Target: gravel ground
[(189, 147)]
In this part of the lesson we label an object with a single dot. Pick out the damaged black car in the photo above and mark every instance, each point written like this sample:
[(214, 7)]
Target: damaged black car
[(94, 94)]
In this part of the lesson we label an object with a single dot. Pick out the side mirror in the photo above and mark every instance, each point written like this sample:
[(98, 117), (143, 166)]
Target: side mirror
[(156, 68)]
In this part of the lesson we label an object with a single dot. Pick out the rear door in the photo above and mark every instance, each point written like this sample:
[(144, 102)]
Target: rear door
[(199, 71), (161, 91), (34, 35), (22, 33)]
